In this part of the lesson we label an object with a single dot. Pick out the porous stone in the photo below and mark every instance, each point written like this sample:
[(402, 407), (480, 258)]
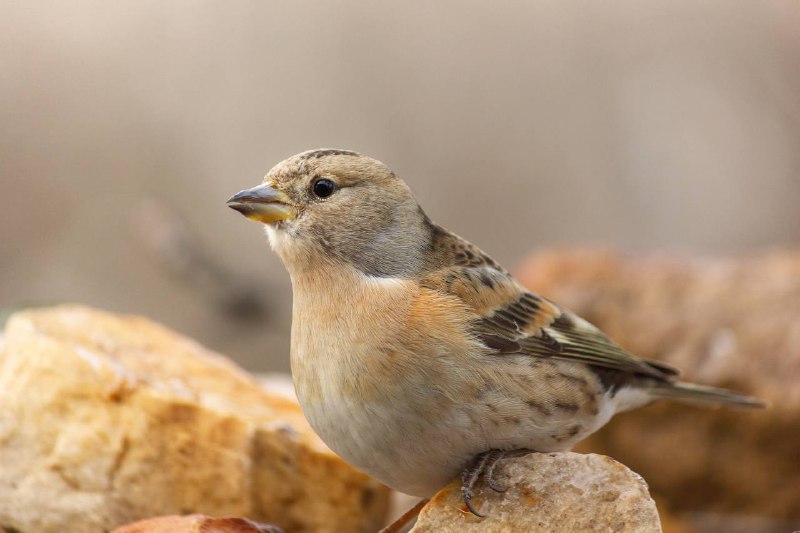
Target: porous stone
[(197, 523), (729, 322), (555, 492), (107, 419)]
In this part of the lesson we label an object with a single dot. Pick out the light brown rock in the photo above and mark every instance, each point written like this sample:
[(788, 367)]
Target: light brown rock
[(727, 322), (106, 419), (557, 492), (197, 523)]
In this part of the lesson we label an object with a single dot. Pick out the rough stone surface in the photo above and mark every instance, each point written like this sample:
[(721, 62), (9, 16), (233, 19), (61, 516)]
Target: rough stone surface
[(197, 523), (727, 322), (548, 492), (106, 419)]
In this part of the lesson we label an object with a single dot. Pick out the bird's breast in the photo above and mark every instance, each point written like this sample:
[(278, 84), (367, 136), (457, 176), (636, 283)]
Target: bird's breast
[(341, 330)]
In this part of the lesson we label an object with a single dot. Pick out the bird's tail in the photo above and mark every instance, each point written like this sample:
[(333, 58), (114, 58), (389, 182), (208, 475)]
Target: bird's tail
[(704, 395)]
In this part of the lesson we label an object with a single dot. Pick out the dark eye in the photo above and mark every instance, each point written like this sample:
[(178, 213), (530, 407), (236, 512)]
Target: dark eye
[(323, 188)]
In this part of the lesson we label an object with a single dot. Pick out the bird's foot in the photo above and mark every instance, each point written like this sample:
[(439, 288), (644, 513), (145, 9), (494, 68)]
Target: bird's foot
[(482, 466)]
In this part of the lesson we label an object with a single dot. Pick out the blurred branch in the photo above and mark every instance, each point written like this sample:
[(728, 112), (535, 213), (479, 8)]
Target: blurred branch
[(176, 246)]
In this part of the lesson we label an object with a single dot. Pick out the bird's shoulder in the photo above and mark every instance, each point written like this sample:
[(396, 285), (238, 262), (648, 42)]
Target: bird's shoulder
[(500, 305), (509, 319)]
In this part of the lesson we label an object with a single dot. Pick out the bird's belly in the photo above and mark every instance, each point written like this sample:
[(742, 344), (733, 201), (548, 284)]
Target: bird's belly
[(406, 441), (390, 444), (415, 437)]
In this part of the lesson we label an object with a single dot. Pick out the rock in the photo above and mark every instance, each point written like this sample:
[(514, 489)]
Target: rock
[(197, 523), (728, 322), (548, 492), (107, 419)]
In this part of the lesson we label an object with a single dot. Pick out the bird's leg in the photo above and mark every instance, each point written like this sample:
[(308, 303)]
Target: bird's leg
[(483, 465), (489, 475)]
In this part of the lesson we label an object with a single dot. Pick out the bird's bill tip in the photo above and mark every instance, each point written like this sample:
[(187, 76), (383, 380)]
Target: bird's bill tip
[(263, 204)]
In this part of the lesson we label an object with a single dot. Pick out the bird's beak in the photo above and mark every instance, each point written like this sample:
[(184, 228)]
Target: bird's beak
[(262, 204)]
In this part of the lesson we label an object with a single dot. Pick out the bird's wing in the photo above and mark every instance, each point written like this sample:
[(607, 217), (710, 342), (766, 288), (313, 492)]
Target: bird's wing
[(511, 320)]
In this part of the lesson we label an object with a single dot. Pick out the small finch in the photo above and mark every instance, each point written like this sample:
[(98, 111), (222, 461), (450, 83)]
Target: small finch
[(415, 356)]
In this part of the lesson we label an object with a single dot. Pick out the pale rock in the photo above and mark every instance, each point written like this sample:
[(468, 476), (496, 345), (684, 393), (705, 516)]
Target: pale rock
[(107, 419), (197, 523), (554, 492)]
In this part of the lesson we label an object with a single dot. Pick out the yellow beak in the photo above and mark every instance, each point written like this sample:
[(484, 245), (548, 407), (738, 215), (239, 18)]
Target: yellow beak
[(262, 204)]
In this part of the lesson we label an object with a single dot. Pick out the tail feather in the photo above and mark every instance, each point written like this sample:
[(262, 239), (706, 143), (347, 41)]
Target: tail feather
[(702, 394)]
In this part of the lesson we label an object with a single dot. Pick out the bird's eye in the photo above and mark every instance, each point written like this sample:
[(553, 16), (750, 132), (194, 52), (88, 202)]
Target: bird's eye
[(323, 188)]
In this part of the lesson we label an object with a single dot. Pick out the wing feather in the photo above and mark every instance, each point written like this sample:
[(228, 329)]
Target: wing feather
[(509, 319)]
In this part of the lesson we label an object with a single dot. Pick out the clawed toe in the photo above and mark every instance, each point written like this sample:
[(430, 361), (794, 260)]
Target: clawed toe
[(483, 466), (492, 484), (489, 475), (468, 478), (468, 502)]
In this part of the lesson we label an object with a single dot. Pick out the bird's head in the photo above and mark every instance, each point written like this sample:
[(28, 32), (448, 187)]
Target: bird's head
[(325, 206)]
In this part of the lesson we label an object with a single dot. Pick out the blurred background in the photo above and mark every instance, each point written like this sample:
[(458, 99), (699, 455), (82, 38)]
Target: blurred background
[(124, 127)]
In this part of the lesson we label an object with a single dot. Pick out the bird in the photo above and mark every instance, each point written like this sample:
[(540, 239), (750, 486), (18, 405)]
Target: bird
[(417, 357)]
